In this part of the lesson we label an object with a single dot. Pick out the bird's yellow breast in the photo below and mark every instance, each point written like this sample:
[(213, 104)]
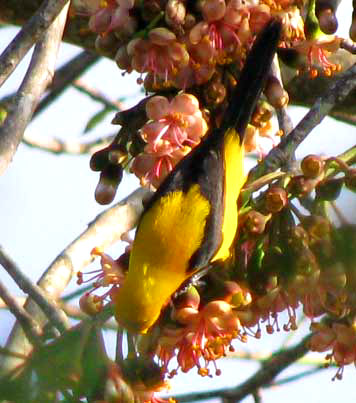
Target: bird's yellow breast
[(168, 235)]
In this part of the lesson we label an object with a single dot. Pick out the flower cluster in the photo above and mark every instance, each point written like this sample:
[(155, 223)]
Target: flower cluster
[(309, 265), (286, 259), (173, 129), (188, 45), (201, 334), (175, 45)]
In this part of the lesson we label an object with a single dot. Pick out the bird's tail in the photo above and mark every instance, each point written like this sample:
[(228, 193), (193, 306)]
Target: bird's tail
[(252, 79)]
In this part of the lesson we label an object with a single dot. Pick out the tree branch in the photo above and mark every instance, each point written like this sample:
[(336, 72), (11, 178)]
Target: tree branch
[(28, 324), (54, 314), (301, 89), (106, 229), (28, 36), (73, 147), (284, 121), (264, 376), (34, 84), (279, 155), (97, 96), (64, 77)]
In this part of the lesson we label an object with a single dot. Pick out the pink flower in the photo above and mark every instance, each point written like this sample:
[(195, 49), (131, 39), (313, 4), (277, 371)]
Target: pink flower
[(174, 128), (207, 335), (317, 51), (113, 15), (161, 54)]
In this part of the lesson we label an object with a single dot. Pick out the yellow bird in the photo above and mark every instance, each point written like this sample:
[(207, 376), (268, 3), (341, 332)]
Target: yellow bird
[(191, 220)]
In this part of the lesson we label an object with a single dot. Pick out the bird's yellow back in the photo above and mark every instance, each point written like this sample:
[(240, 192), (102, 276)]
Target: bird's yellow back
[(233, 181)]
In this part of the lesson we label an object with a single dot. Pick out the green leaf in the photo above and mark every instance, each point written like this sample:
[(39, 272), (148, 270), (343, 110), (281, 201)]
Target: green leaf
[(96, 119), (75, 362)]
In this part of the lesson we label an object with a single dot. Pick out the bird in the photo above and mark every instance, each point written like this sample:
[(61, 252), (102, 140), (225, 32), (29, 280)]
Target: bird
[(191, 220)]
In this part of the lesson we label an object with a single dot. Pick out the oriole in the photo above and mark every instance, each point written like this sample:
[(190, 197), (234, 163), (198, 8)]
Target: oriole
[(191, 220)]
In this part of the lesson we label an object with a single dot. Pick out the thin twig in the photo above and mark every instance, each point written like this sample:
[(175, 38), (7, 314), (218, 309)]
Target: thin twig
[(37, 78), (264, 376), (279, 155), (74, 146), (299, 376), (54, 315), (65, 75), (30, 33), (28, 324), (106, 229), (284, 120), (95, 95), (72, 311)]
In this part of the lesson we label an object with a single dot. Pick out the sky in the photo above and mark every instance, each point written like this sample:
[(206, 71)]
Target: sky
[(47, 200)]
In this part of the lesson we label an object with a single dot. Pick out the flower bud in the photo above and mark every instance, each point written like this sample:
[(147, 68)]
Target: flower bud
[(213, 10), (327, 21), (109, 180), (175, 13), (300, 186), (215, 93), (90, 304), (99, 160), (184, 315), (276, 199), (312, 166), (190, 298), (122, 59), (107, 44), (236, 296), (277, 96), (254, 222), (330, 189)]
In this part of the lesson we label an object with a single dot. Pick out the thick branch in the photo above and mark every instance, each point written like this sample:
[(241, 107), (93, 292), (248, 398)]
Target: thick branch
[(28, 36), (37, 78), (105, 230)]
